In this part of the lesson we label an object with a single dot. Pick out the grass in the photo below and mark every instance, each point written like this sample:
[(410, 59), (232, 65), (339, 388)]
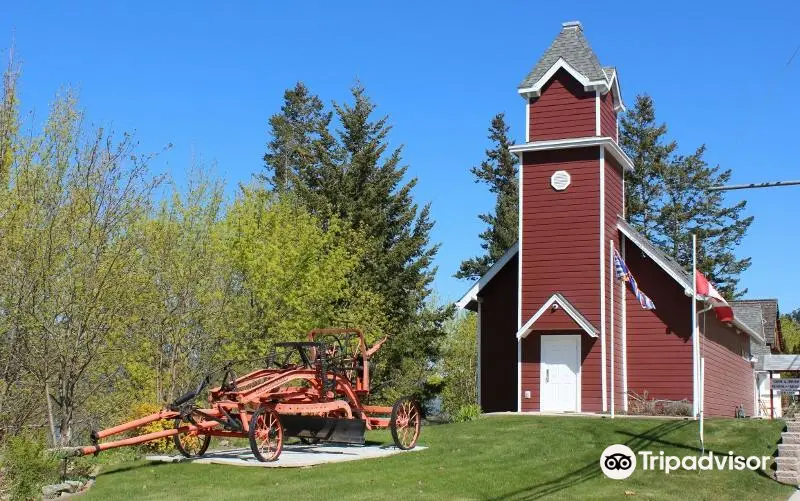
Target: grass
[(497, 457)]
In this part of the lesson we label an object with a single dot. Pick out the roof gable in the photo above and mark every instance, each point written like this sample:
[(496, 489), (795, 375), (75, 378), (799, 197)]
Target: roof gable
[(569, 309), (769, 313), (661, 258), (674, 270), (572, 47), (571, 51), (469, 300)]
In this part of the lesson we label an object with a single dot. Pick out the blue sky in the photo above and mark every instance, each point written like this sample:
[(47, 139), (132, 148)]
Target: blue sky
[(205, 77)]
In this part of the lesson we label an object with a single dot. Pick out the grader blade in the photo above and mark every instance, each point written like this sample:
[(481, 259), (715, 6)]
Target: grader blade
[(343, 431)]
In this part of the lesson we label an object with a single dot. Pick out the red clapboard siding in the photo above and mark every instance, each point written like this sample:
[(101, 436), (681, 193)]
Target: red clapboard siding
[(659, 341), (613, 209), (729, 378), (560, 243), (591, 399), (556, 320), (561, 231), (608, 117), (499, 341), (562, 110)]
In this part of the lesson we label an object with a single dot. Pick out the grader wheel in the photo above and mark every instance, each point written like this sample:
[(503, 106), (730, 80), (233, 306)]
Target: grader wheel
[(266, 435), (190, 445), (405, 423)]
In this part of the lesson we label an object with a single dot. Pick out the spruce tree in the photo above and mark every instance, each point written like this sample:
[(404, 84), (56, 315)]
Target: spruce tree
[(499, 171), (688, 207), (667, 198), (644, 140), (355, 175), (295, 134)]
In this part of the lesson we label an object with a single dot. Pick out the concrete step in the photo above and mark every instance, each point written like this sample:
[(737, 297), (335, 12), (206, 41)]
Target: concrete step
[(788, 463), (786, 478), (789, 450), (790, 438), (793, 426)]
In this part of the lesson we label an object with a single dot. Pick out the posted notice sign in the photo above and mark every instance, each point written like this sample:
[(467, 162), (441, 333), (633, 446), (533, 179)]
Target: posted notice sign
[(785, 385)]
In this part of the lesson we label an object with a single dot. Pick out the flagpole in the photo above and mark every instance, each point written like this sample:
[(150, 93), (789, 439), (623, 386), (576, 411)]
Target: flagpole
[(613, 280), (695, 350)]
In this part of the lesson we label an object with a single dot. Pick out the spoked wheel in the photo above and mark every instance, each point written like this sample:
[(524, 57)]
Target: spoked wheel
[(266, 435), (405, 423), (190, 444)]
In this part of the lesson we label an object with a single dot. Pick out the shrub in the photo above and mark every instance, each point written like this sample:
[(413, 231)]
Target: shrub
[(469, 412), (28, 466), (160, 445), (459, 365), (643, 405)]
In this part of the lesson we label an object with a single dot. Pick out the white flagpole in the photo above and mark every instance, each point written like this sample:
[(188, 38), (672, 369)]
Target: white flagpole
[(702, 402), (613, 281), (695, 344)]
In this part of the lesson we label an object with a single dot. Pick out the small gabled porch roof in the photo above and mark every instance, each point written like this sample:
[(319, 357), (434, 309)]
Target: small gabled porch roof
[(569, 309)]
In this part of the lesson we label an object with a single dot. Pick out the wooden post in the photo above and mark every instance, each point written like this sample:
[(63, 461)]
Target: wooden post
[(771, 398)]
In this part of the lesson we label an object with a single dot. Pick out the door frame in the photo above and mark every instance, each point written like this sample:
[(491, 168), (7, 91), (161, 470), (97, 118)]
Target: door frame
[(578, 340)]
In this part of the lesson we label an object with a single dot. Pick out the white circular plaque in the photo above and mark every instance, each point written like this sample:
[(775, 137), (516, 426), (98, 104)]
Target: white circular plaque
[(560, 180)]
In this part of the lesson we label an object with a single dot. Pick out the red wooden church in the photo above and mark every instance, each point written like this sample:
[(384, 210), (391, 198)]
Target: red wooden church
[(557, 331)]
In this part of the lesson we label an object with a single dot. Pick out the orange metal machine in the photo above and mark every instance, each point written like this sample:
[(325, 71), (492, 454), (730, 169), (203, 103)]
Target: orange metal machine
[(310, 389)]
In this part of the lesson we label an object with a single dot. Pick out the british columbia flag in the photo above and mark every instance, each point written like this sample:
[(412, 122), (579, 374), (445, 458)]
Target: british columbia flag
[(623, 273)]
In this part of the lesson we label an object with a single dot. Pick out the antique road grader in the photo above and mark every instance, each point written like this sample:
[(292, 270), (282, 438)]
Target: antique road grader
[(311, 389)]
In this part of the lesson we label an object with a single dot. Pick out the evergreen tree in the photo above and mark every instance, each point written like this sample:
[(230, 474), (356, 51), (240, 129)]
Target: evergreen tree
[(295, 132), (668, 199), (499, 171), (688, 207), (644, 141), (355, 176)]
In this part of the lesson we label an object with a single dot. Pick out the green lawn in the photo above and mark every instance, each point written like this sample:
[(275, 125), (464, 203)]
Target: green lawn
[(498, 457)]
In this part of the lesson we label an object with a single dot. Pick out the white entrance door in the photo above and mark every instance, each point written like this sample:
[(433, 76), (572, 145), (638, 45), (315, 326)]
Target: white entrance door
[(560, 363)]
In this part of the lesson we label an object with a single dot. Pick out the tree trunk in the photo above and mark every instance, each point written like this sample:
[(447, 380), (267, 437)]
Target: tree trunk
[(50, 420)]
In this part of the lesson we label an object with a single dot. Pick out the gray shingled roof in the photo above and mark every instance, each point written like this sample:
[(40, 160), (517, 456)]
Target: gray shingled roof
[(750, 314), (769, 314), (779, 363), (572, 46)]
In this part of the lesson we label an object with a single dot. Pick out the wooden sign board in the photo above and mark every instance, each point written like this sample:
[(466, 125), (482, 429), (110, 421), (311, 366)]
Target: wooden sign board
[(786, 385)]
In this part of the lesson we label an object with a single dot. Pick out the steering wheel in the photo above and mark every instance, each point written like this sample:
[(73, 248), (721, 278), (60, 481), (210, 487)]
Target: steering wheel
[(334, 347)]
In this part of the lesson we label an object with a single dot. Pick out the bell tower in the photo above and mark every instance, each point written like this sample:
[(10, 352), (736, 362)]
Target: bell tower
[(571, 193)]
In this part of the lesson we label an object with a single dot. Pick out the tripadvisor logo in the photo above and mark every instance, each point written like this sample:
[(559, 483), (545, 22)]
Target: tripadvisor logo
[(618, 462)]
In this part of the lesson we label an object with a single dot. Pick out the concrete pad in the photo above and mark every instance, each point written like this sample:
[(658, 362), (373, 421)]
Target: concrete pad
[(293, 456)]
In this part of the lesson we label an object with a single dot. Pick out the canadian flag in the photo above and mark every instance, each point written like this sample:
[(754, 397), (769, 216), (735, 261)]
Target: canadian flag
[(721, 307)]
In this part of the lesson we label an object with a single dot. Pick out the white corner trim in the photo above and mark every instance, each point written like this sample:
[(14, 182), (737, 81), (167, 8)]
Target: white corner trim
[(567, 307), (580, 373), (581, 142), (597, 113), (623, 305), (611, 326), (603, 353), (472, 293), (478, 371), (535, 89), (527, 120), (519, 284), (656, 259)]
